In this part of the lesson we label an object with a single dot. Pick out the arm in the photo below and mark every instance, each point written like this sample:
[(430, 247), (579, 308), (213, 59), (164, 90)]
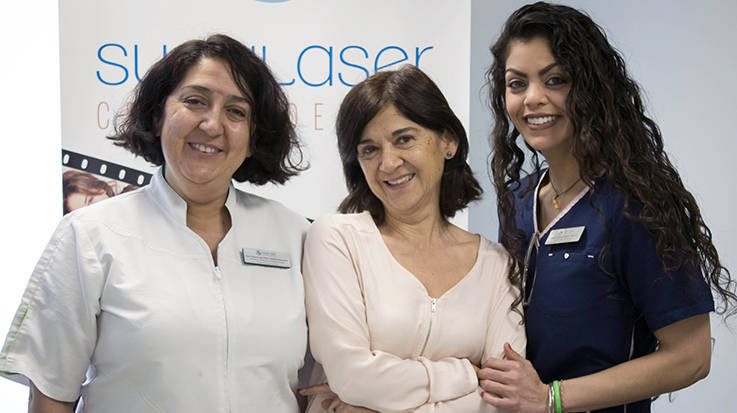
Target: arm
[(684, 357), (40, 403), (340, 337), (504, 326), (54, 332)]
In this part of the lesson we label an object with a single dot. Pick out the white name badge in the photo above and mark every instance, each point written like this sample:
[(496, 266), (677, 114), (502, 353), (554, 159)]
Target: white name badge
[(255, 256), (564, 235)]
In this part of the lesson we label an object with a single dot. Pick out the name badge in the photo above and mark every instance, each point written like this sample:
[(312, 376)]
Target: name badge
[(266, 258), (564, 235)]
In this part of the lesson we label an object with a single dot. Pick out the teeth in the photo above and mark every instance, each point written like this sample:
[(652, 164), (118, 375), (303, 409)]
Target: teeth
[(540, 120), (204, 148), (401, 180)]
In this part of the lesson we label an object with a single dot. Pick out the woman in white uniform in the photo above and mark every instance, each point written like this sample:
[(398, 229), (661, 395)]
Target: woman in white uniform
[(186, 295)]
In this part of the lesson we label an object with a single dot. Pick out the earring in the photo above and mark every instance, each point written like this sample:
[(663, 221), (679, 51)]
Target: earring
[(448, 155)]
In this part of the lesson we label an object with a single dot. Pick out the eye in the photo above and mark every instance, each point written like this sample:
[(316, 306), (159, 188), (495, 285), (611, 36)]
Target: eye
[(404, 139), (555, 80), (366, 151), (237, 113), (194, 101), (516, 84)]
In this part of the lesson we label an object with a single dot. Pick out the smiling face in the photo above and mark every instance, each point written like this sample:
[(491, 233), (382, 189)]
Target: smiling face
[(205, 130), (403, 162), (536, 88)]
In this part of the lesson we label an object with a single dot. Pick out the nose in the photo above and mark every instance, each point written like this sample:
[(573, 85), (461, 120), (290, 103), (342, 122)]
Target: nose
[(390, 160), (212, 123), (536, 95)]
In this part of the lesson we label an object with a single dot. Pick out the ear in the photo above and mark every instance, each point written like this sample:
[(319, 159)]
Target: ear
[(251, 139), (449, 143), (158, 124)]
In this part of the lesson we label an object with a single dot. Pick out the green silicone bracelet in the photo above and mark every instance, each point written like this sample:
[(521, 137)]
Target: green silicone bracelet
[(556, 395)]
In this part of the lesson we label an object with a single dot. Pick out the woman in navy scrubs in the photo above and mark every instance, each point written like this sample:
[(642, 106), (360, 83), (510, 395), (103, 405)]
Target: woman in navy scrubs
[(614, 259)]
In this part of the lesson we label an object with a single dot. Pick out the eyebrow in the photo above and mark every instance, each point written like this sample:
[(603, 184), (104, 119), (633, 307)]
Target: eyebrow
[(544, 70), (208, 92), (394, 134)]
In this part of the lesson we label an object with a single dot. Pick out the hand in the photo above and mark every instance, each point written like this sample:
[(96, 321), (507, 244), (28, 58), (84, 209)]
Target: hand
[(512, 384), (318, 389)]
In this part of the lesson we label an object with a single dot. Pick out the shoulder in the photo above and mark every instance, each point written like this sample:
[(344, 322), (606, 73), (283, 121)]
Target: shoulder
[(613, 202), (526, 186), (361, 222), (493, 254), (268, 209), (339, 226), (522, 193), (494, 265), (492, 249), (118, 211)]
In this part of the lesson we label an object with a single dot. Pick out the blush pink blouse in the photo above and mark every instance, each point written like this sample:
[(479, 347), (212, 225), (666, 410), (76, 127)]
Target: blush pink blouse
[(382, 341)]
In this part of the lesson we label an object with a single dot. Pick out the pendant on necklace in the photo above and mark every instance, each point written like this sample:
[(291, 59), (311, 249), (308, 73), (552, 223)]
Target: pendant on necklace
[(557, 193), (556, 205)]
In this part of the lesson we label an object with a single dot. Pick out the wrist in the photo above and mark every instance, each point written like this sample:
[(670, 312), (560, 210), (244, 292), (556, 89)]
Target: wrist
[(546, 395)]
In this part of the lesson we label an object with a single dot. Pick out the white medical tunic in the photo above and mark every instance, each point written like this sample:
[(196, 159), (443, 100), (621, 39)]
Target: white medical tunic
[(125, 288)]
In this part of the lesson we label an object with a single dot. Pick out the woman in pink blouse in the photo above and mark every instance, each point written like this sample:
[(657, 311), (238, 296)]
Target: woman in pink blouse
[(403, 306)]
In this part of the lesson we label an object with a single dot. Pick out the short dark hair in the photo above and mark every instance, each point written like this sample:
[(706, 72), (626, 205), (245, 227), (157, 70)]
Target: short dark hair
[(420, 100), (276, 152)]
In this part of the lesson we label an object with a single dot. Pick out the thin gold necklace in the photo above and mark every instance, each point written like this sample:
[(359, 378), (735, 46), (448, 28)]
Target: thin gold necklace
[(558, 193)]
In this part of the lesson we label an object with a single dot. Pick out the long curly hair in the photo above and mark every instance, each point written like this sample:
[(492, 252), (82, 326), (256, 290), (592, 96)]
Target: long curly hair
[(611, 136)]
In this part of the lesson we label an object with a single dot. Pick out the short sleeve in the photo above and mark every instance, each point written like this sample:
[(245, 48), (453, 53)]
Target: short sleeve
[(663, 297), (53, 334)]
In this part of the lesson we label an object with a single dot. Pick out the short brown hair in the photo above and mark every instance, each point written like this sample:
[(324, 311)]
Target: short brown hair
[(420, 100), (276, 151)]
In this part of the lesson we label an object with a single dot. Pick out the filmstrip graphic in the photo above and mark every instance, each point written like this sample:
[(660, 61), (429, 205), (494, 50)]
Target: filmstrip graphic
[(104, 168)]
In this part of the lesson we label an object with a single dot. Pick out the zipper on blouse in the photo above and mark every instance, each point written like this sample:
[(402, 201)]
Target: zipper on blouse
[(433, 308), (217, 272)]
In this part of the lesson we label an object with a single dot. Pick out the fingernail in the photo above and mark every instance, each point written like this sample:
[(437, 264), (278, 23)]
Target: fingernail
[(482, 394)]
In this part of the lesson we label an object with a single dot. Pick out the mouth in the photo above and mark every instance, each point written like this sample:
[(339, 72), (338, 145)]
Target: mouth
[(401, 180), (540, 120), (199, 147)]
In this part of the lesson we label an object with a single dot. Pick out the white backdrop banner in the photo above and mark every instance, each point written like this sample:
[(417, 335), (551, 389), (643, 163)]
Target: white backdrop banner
[(318, 49)]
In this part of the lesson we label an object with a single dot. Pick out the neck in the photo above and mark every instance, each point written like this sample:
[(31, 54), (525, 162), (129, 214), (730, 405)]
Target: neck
[(563, 171), (200, 197), (419, 229), (205, 211)]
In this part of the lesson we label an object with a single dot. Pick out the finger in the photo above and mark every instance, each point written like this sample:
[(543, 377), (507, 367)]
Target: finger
[(326, 403), (316, 389), (510, 354), (496, 389), (499, 364), (494, 375), (333, 406), (500, 402)]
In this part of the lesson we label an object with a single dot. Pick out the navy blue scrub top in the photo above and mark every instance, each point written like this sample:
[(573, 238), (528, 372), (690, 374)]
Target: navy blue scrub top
[(581, 320)]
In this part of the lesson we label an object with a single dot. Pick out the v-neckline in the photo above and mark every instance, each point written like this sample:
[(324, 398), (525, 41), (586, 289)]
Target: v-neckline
[(560, 215), (476, 263)]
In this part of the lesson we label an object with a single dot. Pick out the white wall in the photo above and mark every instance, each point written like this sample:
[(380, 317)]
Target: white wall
[(683, 56), (30, 167)]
